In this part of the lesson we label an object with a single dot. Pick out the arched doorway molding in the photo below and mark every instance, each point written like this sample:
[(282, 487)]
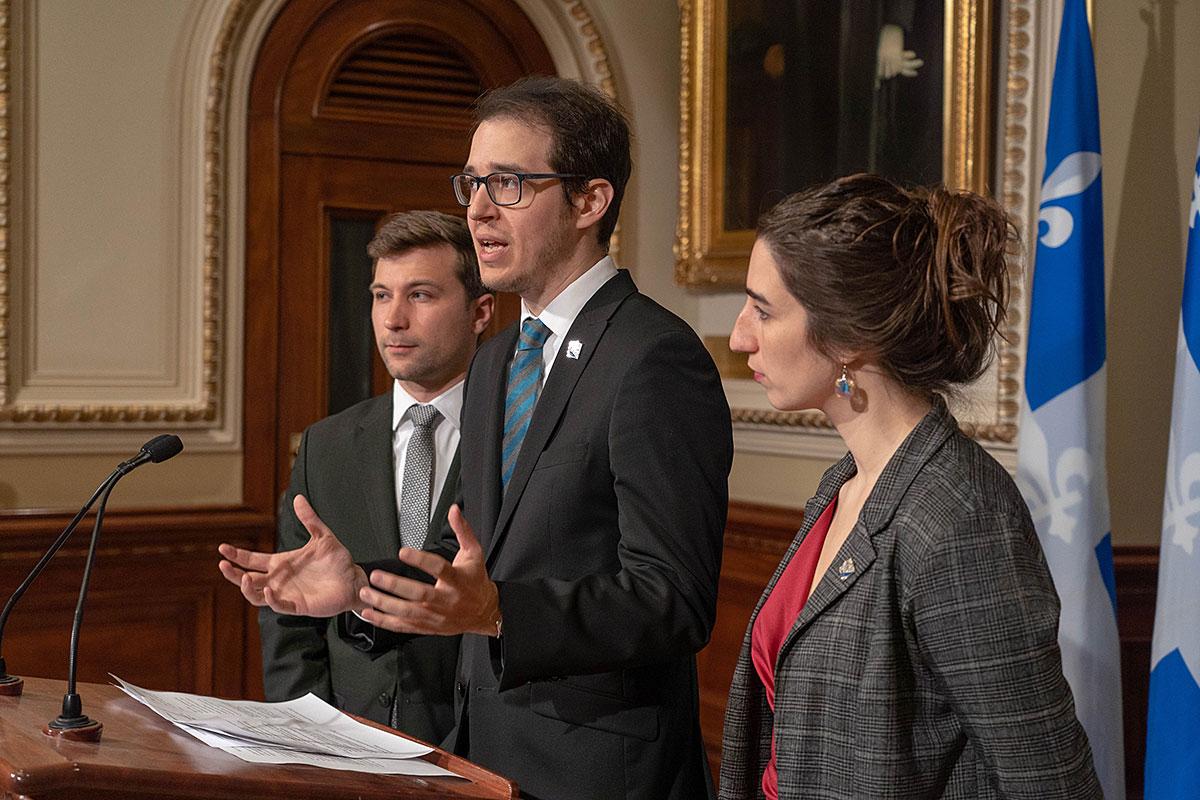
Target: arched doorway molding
[(222, 45)]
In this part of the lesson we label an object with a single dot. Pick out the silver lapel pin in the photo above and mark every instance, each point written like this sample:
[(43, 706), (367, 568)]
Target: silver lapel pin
[(846, 569), (573, 348)]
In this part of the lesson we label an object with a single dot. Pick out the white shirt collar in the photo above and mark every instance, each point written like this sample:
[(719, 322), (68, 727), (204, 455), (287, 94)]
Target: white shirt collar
[(448, 403), (560, 313)]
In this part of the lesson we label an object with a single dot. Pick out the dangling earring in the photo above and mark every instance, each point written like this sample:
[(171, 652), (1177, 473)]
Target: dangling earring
[(844, 385)]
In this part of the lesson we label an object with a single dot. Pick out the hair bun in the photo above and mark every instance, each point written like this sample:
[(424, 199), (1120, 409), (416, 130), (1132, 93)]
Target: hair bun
[(915, 279)]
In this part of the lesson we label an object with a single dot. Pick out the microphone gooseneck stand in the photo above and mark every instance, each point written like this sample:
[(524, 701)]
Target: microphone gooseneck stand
[(11, 685), (72, 723)]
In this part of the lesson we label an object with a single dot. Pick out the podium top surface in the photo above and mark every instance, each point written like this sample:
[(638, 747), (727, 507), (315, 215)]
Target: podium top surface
[(142, 755)]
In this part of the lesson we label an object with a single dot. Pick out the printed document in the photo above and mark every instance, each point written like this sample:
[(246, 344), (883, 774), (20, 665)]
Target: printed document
[(306, 730)]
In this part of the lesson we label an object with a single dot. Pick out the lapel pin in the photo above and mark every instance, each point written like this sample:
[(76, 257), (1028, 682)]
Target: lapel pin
[(846, 569), (573, 348)]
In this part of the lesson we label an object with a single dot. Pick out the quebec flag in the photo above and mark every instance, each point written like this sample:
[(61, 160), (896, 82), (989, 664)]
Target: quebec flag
[(1173, 724), (1060, 456)]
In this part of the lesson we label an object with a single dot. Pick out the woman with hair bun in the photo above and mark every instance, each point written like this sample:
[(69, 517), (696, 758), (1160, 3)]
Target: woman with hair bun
[(906, 646)]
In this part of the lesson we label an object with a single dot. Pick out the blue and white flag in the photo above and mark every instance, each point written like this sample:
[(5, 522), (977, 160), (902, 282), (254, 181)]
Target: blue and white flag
[(1061, 451), (1173, 725)]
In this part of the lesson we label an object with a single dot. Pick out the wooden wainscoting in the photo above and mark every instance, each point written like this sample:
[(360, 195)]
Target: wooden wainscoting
[(1137, 586), (756, 537), (755, 540), (158, 613)]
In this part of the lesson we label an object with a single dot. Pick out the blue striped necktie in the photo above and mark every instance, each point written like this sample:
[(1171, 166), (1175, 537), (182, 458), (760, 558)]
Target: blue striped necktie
[(524, 384)]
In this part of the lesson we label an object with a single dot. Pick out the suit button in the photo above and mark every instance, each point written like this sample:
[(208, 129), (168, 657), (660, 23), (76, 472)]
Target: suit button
[(385, 700), (461, 688)]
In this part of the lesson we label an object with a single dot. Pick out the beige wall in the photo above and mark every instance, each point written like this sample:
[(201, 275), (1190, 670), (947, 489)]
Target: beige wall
[(1150, 117), (1146, 65), (106, 265)]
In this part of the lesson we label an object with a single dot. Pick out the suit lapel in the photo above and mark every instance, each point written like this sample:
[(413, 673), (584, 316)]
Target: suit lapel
[(851, 562), (489, 379), (373, 438), (587, 329), (830, 483), (551, 404), (858, 552)]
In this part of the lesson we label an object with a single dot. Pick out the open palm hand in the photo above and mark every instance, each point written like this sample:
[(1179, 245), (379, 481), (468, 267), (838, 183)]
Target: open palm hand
[(319, 579)]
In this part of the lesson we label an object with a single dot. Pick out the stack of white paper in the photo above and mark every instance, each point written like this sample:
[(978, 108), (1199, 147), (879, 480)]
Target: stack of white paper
[(303, 731)]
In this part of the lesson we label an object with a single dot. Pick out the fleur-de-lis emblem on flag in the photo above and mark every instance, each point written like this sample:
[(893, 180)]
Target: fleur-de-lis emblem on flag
[(1073, 175), (1181, 515), (1056, 492)]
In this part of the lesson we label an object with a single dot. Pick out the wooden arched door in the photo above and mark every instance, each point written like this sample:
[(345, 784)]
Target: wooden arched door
[(358, 108)]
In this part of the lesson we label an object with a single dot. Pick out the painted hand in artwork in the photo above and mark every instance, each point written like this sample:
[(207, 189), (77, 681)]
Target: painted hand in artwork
[(893, 59)]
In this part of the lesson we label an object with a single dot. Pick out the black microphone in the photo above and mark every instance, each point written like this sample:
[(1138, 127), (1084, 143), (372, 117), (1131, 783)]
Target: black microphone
[(159, 448), (72, 723)]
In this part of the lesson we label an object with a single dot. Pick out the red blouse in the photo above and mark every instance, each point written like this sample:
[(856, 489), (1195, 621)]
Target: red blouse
[(776, 617)]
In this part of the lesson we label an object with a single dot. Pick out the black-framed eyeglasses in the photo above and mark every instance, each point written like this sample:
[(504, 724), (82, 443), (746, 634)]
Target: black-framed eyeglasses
[(504, 188)]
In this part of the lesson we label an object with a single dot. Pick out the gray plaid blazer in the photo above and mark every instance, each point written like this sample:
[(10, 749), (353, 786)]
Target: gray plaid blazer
[(926, 662)]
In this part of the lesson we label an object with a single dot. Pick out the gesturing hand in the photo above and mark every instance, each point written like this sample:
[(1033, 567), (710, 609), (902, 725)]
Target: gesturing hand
[(461, 600), (318, 580)]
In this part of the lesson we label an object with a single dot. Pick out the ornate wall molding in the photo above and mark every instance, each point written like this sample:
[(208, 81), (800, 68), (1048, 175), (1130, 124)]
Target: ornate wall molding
[(225, 35), (204, 184), (589, 39), (1017, 191), (41, 415), (808, 434), (5, 173), (574, 40)]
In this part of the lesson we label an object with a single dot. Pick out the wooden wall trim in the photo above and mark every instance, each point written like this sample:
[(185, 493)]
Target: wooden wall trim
[(31, 520), (763, 523), (159, 611)]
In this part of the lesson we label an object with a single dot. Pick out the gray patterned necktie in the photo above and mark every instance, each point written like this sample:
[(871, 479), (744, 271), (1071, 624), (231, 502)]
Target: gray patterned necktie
[(418, 477)]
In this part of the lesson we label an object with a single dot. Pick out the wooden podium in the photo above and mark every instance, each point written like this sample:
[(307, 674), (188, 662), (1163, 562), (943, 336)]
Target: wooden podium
[(141, 755)]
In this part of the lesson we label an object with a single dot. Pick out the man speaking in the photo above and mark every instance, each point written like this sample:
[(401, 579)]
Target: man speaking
[(596, 446)]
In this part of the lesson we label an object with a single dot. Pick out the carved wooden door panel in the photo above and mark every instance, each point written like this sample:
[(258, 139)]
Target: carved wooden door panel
[(358, 108)]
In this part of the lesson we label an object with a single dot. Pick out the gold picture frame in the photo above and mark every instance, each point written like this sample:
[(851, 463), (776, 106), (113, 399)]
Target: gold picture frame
[(710, 255)]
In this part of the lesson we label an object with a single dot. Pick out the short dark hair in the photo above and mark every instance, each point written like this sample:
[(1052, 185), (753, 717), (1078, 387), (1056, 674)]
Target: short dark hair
[(409, 230), (589, 133), (917, 279)]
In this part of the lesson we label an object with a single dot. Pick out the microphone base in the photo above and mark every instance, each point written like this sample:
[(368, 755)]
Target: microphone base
[(75, 729), (11, 686)]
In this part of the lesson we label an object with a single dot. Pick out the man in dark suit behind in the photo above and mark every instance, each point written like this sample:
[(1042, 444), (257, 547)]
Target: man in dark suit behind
[(595, 453), (428, 308)]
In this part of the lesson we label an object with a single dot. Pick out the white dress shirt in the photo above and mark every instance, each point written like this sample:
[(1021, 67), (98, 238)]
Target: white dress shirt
[(445, 436), (560, 313)]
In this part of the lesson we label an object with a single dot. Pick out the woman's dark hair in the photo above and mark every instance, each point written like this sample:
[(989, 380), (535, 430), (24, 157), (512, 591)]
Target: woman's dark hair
[(916, 280)]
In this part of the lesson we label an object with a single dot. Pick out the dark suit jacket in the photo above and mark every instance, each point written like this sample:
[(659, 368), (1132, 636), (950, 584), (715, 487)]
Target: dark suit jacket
[(606, 550), (932, 669), (345, 469)]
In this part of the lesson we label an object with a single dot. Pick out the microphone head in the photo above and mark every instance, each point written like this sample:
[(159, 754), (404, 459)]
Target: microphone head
[(160, 448)]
